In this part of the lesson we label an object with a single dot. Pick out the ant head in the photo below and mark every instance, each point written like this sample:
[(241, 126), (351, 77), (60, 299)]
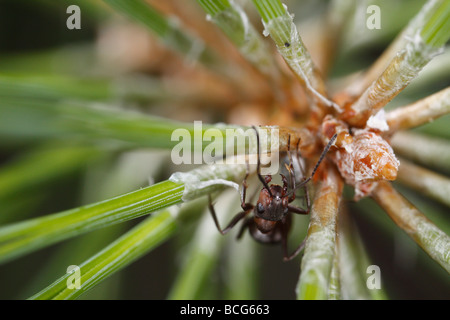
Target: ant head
[(272, 205)]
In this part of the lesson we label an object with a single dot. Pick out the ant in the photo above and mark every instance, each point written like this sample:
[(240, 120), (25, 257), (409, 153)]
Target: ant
[(271, 220)]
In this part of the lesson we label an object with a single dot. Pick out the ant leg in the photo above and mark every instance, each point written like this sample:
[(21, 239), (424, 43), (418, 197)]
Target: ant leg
[(302, 169), (305, 188), (258, 167), (233, 221), (285, 184), (244, 226), (308, 201), (285, 226), (295, 253), (298, 210), (291, 170), (284, 243), (322, 156), (245, 206)]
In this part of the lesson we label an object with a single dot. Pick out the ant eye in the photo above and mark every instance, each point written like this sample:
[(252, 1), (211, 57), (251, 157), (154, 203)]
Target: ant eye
[(260, 207)]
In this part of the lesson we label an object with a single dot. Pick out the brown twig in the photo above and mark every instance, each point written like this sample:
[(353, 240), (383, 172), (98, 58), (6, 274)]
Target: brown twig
[(425, 233), (420, 112), (425, 181), (319, 254), (429, 151)]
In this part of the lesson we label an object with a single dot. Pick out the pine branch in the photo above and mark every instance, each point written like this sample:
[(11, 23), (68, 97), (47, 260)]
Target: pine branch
[(429, 151), (419, 49), (420, 112), (425, 233), (318, 258), (425, 181)]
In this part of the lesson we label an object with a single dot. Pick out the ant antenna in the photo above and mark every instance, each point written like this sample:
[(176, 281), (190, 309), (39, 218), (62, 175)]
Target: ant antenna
[(322, 156), (263, 181)]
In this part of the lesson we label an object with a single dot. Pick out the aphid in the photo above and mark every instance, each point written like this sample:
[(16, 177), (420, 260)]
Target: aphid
[(287, 44), (271, 220)]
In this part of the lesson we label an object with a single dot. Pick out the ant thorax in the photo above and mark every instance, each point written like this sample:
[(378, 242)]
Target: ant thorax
[(272, 205), (272, 213)]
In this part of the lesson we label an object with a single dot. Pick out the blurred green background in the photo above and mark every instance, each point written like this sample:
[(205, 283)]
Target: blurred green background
[(35, 44)]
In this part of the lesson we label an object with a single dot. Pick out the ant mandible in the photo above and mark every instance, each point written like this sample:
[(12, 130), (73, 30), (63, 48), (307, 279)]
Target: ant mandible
[(271, 220)]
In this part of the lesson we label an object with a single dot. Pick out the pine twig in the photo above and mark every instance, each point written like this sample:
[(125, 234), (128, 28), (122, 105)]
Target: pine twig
[(420, 112), (203, 252), (429, 151), (30, 235), (419, 49), (318, 258), (234, 22), (424, 232), (357, 87), (280, 26), (129, 247), (425, 181)]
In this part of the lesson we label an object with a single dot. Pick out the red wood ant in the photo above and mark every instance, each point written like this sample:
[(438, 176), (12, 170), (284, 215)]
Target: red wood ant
[(271, 220)]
